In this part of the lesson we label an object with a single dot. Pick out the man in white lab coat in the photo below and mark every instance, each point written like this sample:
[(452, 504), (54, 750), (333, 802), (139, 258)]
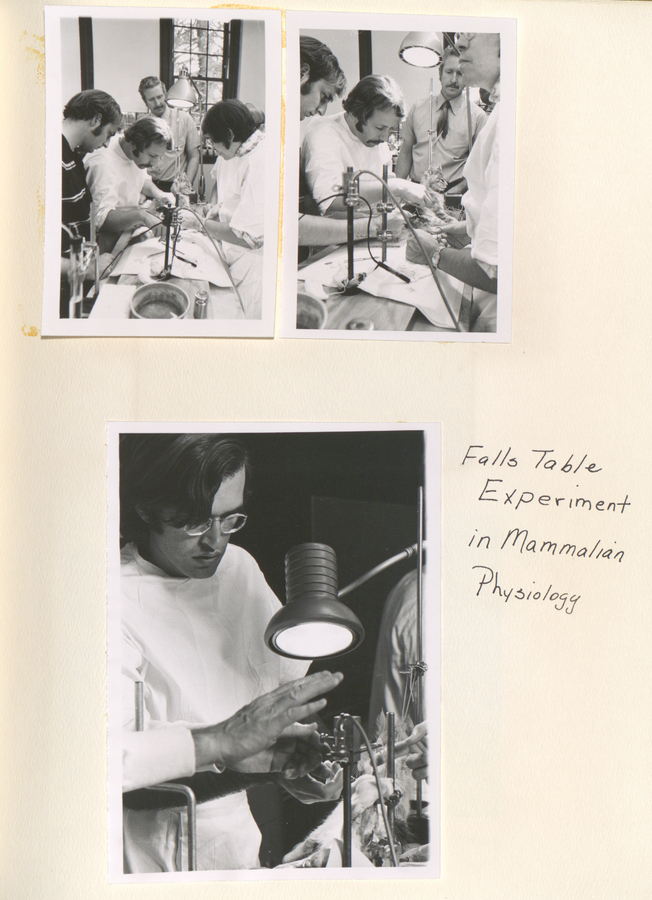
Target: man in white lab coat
[(194, 613)]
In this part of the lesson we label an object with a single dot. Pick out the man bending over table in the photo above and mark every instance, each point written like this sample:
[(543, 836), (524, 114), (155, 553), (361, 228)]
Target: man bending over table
[(117, 178)]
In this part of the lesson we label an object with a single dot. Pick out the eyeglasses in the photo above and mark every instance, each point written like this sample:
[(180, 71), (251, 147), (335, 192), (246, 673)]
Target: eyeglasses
[(463, 36), (228, 525)]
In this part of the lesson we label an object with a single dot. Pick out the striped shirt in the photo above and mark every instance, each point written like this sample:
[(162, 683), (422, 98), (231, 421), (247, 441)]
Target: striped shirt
[(75, 196)]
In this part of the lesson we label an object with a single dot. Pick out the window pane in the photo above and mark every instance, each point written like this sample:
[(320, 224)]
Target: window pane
[(202, 40), (215, 91), (215, 64), (181, 59), (181, 38)]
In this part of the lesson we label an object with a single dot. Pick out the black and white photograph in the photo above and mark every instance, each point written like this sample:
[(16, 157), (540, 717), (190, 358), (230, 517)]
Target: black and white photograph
[(405, 128), (273, 651), (162, 162)]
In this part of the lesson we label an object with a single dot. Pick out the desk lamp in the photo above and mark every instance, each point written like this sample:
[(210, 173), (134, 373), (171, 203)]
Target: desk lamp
[(423, 49), (314, 623), (184, 94)]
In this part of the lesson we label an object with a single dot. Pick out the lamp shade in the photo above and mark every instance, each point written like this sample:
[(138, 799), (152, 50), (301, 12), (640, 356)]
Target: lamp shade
[(314, 628), (182, 94), (422, 48), (313, 623)]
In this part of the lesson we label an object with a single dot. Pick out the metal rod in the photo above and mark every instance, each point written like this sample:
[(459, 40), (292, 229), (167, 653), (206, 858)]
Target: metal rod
[(383, 219), (419, 683), (408, 553), (432, 87), (139, 706), (391, 770), (191, 804), (347, 822), (171, 786), (469, 129), (426, 255), (349, 233)]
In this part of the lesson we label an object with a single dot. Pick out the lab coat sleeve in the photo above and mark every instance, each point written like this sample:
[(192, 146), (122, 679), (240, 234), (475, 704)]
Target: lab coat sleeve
[(248, 218), (324, 165), (103, 187), (484, 246), (151, 757)]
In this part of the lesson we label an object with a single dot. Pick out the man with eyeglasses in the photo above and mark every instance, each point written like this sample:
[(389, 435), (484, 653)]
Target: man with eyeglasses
[(194, 613)]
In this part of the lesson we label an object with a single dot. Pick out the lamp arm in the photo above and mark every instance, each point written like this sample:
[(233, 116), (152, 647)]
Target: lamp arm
[(407, 553)]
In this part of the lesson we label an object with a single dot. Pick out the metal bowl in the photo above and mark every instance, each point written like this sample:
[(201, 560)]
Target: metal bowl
[(159, 300), (311, 313)]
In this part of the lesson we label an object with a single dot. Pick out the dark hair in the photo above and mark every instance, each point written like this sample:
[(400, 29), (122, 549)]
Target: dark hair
[(448, 52), (148, 130), (150, 81), (228, 120), (257, 114), (322, 64), (371, 93), (88, 104), (173, 478)]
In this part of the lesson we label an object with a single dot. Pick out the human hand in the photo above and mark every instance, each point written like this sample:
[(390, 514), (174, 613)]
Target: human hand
[(256, 728), (395, 225), (104, 262), (189, 220), (411, 192), (166, 198), (416, 748), (213, 212), (414, 253), (296, 752), (312, 788)]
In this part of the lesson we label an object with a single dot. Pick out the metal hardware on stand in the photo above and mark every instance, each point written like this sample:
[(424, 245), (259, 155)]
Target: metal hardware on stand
[(171, 786)]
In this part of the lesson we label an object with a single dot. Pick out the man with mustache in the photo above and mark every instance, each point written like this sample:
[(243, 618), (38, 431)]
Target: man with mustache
[(117, 177), (357, 137), (183, 159), (468, 250), (451, 140)]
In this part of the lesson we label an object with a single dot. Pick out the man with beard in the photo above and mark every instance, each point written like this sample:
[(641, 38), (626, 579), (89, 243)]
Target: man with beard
[(117, 176)]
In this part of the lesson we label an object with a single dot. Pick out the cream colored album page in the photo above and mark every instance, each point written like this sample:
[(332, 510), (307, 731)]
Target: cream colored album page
[(544, 788)]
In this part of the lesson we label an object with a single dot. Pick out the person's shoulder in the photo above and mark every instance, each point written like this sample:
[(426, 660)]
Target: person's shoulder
[(323, 125), (128, 559)]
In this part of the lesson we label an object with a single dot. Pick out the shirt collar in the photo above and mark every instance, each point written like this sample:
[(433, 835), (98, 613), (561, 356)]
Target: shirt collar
[(454, 104)]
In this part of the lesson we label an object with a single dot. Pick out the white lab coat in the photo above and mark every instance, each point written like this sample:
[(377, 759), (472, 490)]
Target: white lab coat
[(197, 644), (241, 197)]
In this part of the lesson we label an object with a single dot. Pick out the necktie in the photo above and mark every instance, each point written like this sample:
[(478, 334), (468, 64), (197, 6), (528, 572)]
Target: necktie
[(442, 119)]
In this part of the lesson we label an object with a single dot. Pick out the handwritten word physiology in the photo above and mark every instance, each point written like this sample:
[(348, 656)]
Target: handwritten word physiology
[(490, 586)]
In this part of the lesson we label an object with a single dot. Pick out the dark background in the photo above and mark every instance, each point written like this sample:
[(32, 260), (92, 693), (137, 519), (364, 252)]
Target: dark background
[(358, 493)]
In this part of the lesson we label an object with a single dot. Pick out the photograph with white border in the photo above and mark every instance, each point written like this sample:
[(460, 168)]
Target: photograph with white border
[(248, 739), (163, 144), (405, 187)]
